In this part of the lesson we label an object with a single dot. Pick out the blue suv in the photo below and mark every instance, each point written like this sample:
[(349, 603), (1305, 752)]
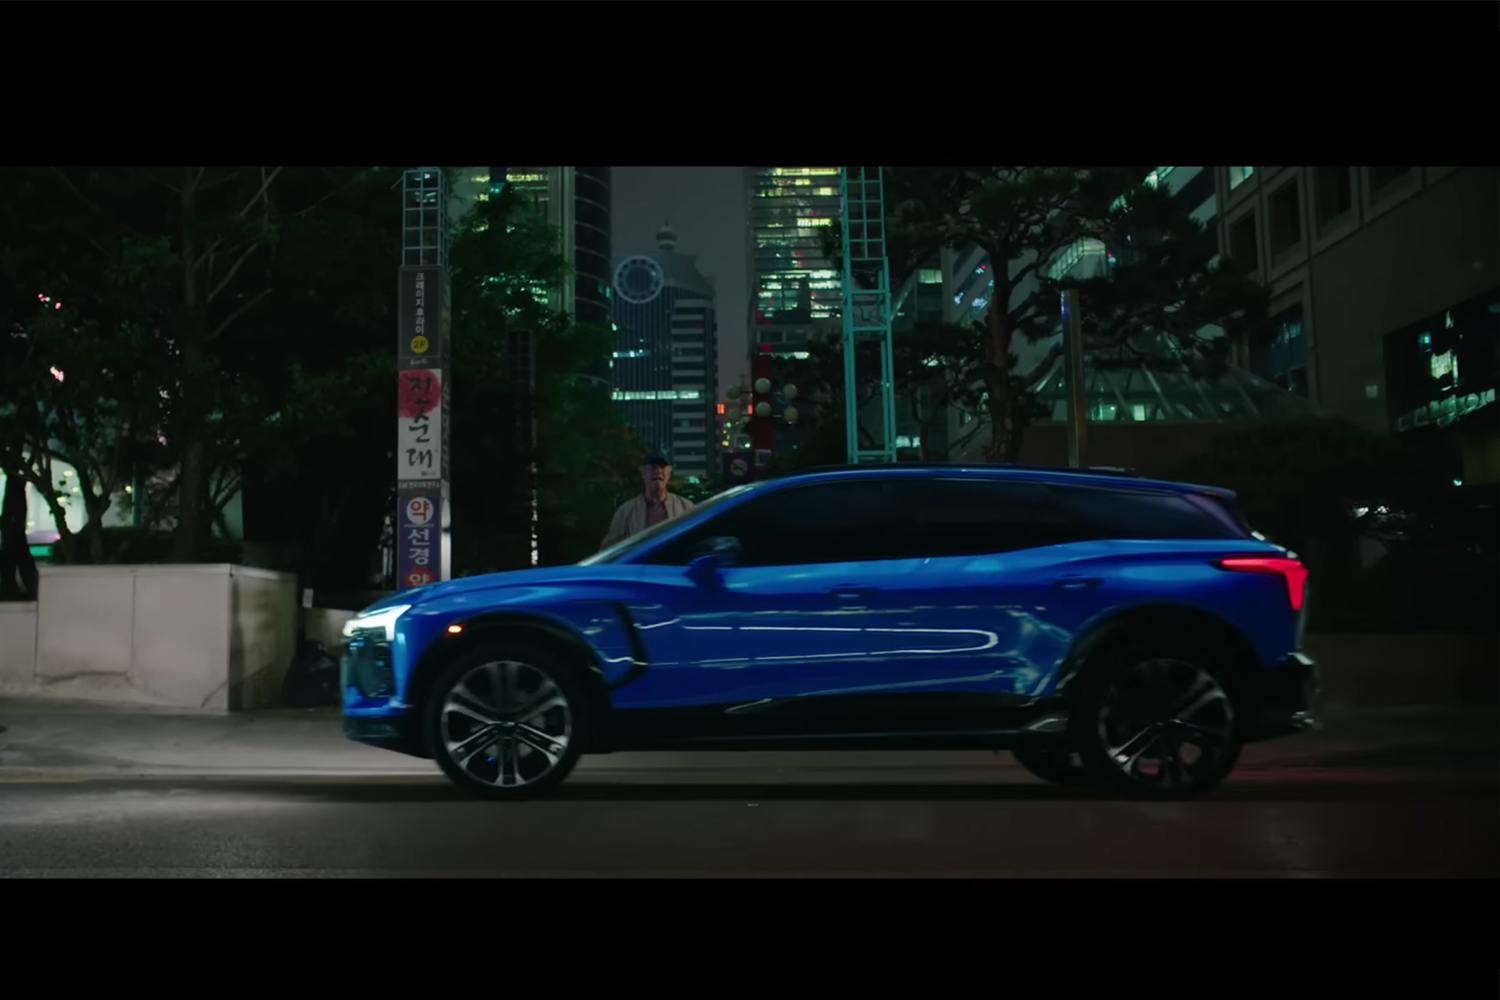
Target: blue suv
[(1106, 629)]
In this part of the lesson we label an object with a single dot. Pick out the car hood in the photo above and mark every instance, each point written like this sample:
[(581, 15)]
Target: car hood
[(494, 581)]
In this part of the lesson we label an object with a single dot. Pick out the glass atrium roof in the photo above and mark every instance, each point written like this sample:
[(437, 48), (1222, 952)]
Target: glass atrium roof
[(1168, 387)]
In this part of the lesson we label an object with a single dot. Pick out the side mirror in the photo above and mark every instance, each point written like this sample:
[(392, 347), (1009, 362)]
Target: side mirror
[(712, 556)]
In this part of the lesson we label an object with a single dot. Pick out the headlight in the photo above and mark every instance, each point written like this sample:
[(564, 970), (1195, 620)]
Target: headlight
[(384, 618)]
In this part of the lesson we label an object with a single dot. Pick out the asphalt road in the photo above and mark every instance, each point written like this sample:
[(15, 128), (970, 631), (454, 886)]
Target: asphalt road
[(1433, 813)]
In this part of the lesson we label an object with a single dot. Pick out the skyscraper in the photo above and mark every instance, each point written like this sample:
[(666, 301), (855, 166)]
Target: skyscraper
[(576, 200), (795, 286), (666, 357)]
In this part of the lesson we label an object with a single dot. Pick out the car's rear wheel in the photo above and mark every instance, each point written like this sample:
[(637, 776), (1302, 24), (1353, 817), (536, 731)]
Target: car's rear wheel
[(1058, 765), (1158, 724), (507, 722)]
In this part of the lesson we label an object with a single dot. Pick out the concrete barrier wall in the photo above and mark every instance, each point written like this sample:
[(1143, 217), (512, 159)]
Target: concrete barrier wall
[(326, 625), (17, 647), (263, 636), (214, 637)]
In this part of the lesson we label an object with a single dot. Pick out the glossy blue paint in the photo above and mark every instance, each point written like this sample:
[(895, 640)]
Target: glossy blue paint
[(981, 626)]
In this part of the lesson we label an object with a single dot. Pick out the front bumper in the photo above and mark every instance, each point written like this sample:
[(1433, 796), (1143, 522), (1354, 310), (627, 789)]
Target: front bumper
[(1289, 699), (400, 733)]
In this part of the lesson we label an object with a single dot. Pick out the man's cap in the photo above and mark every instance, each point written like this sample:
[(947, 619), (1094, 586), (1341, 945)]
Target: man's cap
[(656, 458)]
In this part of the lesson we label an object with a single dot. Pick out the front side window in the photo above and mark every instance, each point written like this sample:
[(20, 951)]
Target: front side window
[(636, 542), (850, 521)]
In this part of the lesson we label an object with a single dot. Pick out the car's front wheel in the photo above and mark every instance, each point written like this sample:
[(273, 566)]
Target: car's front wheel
[(1158, 724), (507, 722)]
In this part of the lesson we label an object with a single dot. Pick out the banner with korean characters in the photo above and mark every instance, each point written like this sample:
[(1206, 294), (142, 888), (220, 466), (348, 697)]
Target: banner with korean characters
[(418, 539), (419, 432), (423, 553), (423, 310)]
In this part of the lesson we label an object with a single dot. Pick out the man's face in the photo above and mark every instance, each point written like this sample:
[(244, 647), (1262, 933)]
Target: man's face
[(653, 475)]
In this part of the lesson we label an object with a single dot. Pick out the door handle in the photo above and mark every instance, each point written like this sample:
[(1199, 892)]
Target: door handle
[(1079, 582), (851, 593)]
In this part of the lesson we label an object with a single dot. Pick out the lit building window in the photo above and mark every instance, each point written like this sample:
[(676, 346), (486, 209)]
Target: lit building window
[(1239, 175), (627, 395), (930, 276)]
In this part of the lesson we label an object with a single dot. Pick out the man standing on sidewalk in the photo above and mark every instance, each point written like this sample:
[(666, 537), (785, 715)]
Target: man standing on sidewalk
[(654, 506)]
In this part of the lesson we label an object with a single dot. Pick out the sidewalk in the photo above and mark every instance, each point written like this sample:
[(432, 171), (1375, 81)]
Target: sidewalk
[(61, 738)]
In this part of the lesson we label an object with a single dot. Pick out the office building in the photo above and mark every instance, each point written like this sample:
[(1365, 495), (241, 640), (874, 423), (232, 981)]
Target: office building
[(576, 201), (795, 285), (1385, 288), (665, 368)]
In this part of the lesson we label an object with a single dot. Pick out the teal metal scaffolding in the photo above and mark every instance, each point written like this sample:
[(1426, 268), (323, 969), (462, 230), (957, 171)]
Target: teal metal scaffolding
[(867, 306)]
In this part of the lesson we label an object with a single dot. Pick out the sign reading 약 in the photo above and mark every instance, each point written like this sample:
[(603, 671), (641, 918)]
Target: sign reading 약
[(417, 541)]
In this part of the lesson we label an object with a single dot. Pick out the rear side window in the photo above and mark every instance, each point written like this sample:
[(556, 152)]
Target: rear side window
[(953, 518), (1144, 514)]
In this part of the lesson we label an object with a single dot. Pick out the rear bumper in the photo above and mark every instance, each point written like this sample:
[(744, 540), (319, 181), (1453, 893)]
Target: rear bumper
[(1289, 699), (388, 732)]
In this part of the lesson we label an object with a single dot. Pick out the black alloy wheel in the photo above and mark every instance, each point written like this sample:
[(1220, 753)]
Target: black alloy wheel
[(1158, 724), (507, 722)]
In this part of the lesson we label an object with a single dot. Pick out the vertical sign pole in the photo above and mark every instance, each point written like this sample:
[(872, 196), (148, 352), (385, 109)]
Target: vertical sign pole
[(423, 516), (1078, 414)]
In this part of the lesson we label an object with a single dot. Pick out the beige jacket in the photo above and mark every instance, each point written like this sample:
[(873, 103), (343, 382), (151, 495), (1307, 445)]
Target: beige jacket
[(630, 519)]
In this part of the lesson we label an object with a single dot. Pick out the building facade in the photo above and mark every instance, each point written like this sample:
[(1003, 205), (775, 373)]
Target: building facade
[(575, 201), (1385, 285), (665, 368), (795, 285)]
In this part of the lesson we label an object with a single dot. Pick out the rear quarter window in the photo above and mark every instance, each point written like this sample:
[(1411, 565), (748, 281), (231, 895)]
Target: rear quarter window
[(1145, 514)]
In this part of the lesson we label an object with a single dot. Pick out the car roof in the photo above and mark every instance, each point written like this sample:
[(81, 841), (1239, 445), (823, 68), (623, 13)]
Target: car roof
[(1105, 477)]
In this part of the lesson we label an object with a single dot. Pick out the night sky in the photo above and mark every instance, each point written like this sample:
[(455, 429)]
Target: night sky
[(706, 205)]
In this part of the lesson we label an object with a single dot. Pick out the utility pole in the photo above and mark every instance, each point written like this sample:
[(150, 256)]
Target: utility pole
[(423, 430), (1078, 413)]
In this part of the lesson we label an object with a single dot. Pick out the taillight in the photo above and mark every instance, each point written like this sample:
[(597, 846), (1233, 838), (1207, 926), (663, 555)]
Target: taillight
[(1290, 570)]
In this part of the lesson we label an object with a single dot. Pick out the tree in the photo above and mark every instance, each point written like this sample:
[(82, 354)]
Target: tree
[(1161, 286), (505, 263), (319, 356), (187, 250), (934, 371), (85, 373)]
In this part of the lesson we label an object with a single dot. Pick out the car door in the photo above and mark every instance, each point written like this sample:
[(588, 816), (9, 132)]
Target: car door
[(794, 635), (1001, 562)]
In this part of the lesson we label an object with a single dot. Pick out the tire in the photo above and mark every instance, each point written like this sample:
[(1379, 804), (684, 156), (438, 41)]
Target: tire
[(1158, 722), (1056, 765), (507, 721)]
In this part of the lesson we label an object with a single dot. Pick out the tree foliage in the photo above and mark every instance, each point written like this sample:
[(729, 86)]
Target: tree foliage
[(1164, 295), (505, 266), (231, 331)]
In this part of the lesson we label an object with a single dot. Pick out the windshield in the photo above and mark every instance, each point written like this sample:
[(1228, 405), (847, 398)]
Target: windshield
[(617, 552)]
